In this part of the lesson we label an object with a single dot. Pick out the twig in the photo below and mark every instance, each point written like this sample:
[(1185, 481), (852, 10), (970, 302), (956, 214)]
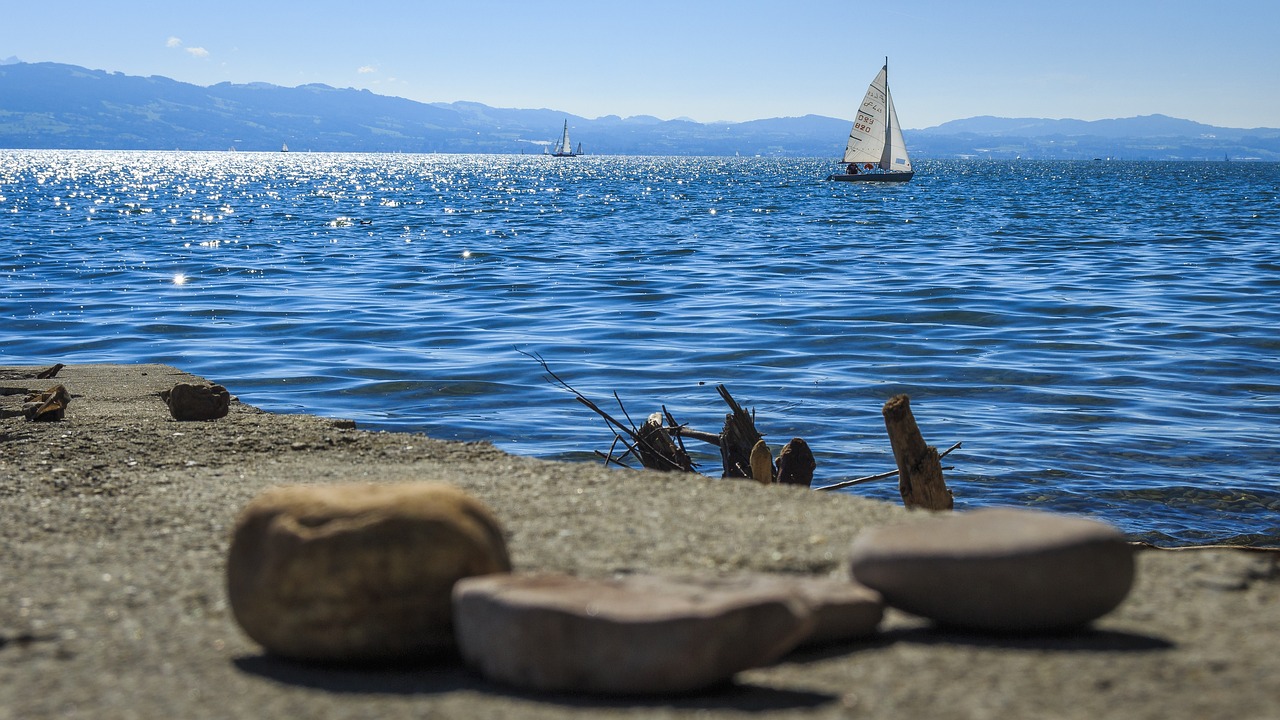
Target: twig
[(878, 476), (706, 437), (629, 429)]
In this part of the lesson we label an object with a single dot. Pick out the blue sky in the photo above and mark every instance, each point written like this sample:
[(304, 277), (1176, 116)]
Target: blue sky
[(709, 60)]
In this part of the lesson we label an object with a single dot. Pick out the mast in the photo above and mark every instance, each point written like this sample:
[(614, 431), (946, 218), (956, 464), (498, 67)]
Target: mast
[(886, 159)]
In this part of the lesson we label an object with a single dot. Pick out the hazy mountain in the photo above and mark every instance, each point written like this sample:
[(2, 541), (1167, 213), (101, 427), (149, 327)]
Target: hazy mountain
[(50, 105), (1146, 137)]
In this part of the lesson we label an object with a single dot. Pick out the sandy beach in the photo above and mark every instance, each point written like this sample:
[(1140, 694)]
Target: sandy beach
[(114, 529)]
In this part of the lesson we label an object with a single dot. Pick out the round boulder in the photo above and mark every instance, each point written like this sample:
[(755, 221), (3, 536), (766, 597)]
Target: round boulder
[(357, 572), (999, 569)]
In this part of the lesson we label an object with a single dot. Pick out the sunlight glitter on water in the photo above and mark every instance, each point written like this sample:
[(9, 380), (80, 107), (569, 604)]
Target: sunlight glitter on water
[(1101, 338)]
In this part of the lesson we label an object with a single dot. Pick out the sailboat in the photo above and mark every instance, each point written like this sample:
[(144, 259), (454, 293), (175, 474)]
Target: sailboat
[(876, 151), (563, 148)]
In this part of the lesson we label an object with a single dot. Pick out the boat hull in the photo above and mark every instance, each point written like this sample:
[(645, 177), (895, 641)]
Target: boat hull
[(873, 177)]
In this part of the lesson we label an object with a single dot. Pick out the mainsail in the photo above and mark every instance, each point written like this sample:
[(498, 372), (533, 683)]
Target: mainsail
[(564, 148), (876, 137)]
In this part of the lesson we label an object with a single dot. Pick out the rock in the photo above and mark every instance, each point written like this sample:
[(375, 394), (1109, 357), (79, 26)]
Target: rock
[(357, 572), (47, 406), (1001, 569), (842, 610), (197, 402), (638, 635)]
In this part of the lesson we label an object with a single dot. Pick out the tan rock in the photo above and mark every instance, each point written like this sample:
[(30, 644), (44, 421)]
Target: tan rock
[(357, 572), (634, 635), (999, 569), (842, 609), (197, 402)]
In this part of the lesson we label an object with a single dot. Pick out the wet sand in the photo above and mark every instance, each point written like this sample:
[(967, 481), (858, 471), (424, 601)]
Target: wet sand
[(114, 526)]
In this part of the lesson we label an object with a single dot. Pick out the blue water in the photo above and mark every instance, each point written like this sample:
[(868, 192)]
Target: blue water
[(1103, 337)]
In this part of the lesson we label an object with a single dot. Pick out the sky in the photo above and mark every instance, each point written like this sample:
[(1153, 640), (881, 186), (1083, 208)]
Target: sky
[(708, 60)]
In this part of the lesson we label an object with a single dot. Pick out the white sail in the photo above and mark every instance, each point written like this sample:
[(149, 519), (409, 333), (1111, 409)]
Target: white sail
[(565, 147), (895, 153), (876, 137)]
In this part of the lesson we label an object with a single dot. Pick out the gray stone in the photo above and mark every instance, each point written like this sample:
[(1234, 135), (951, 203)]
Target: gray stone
[(1000, 569), (357, 572), (637, 635)]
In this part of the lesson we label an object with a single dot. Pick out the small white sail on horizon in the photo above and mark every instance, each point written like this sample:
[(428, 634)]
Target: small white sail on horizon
[(875, 141)]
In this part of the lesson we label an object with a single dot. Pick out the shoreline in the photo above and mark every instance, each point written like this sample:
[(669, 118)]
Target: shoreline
[(117, 522)]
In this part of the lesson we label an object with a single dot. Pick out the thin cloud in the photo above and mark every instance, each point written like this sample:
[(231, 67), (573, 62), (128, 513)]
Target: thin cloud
[(173, 42), (365, 70), (198, 52)]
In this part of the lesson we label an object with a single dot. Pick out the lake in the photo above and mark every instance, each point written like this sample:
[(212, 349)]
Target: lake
[(1103, 337)]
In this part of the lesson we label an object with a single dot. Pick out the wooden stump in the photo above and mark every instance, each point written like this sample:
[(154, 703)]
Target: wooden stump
[(796, 464), (919, 468), (761, 463), (737, 439)]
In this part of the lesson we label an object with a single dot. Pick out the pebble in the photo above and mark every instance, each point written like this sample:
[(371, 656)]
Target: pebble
[(357, 572), (998, 569), (635, 635)]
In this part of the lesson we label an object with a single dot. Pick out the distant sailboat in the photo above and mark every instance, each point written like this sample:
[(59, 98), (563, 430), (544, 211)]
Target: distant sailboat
[(876, 151), (284, 147), (564, 148)]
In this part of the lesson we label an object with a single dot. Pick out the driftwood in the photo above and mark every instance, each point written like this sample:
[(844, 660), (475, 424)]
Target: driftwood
[(50, 372), (658, 444), (761, 463), (738, 438), (795, 463), (654, 449), (919, 469), (49, 405), (657, 450)]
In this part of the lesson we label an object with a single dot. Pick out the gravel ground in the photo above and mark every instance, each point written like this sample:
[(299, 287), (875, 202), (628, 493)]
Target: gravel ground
[(114, 527)]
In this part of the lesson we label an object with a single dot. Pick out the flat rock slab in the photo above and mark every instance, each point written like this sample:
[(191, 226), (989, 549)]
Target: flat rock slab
[(357, 572), (637, 635), (999, 569), (842, 609)]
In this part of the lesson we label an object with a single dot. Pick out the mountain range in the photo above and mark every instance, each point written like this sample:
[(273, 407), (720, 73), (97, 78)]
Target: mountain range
[(52, 105)]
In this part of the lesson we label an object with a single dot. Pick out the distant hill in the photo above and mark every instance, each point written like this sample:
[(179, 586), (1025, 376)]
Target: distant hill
[(51, 105), (1157, 137)]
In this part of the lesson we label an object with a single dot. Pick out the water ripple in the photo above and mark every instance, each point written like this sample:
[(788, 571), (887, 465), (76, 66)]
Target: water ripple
[(1101, 336)]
